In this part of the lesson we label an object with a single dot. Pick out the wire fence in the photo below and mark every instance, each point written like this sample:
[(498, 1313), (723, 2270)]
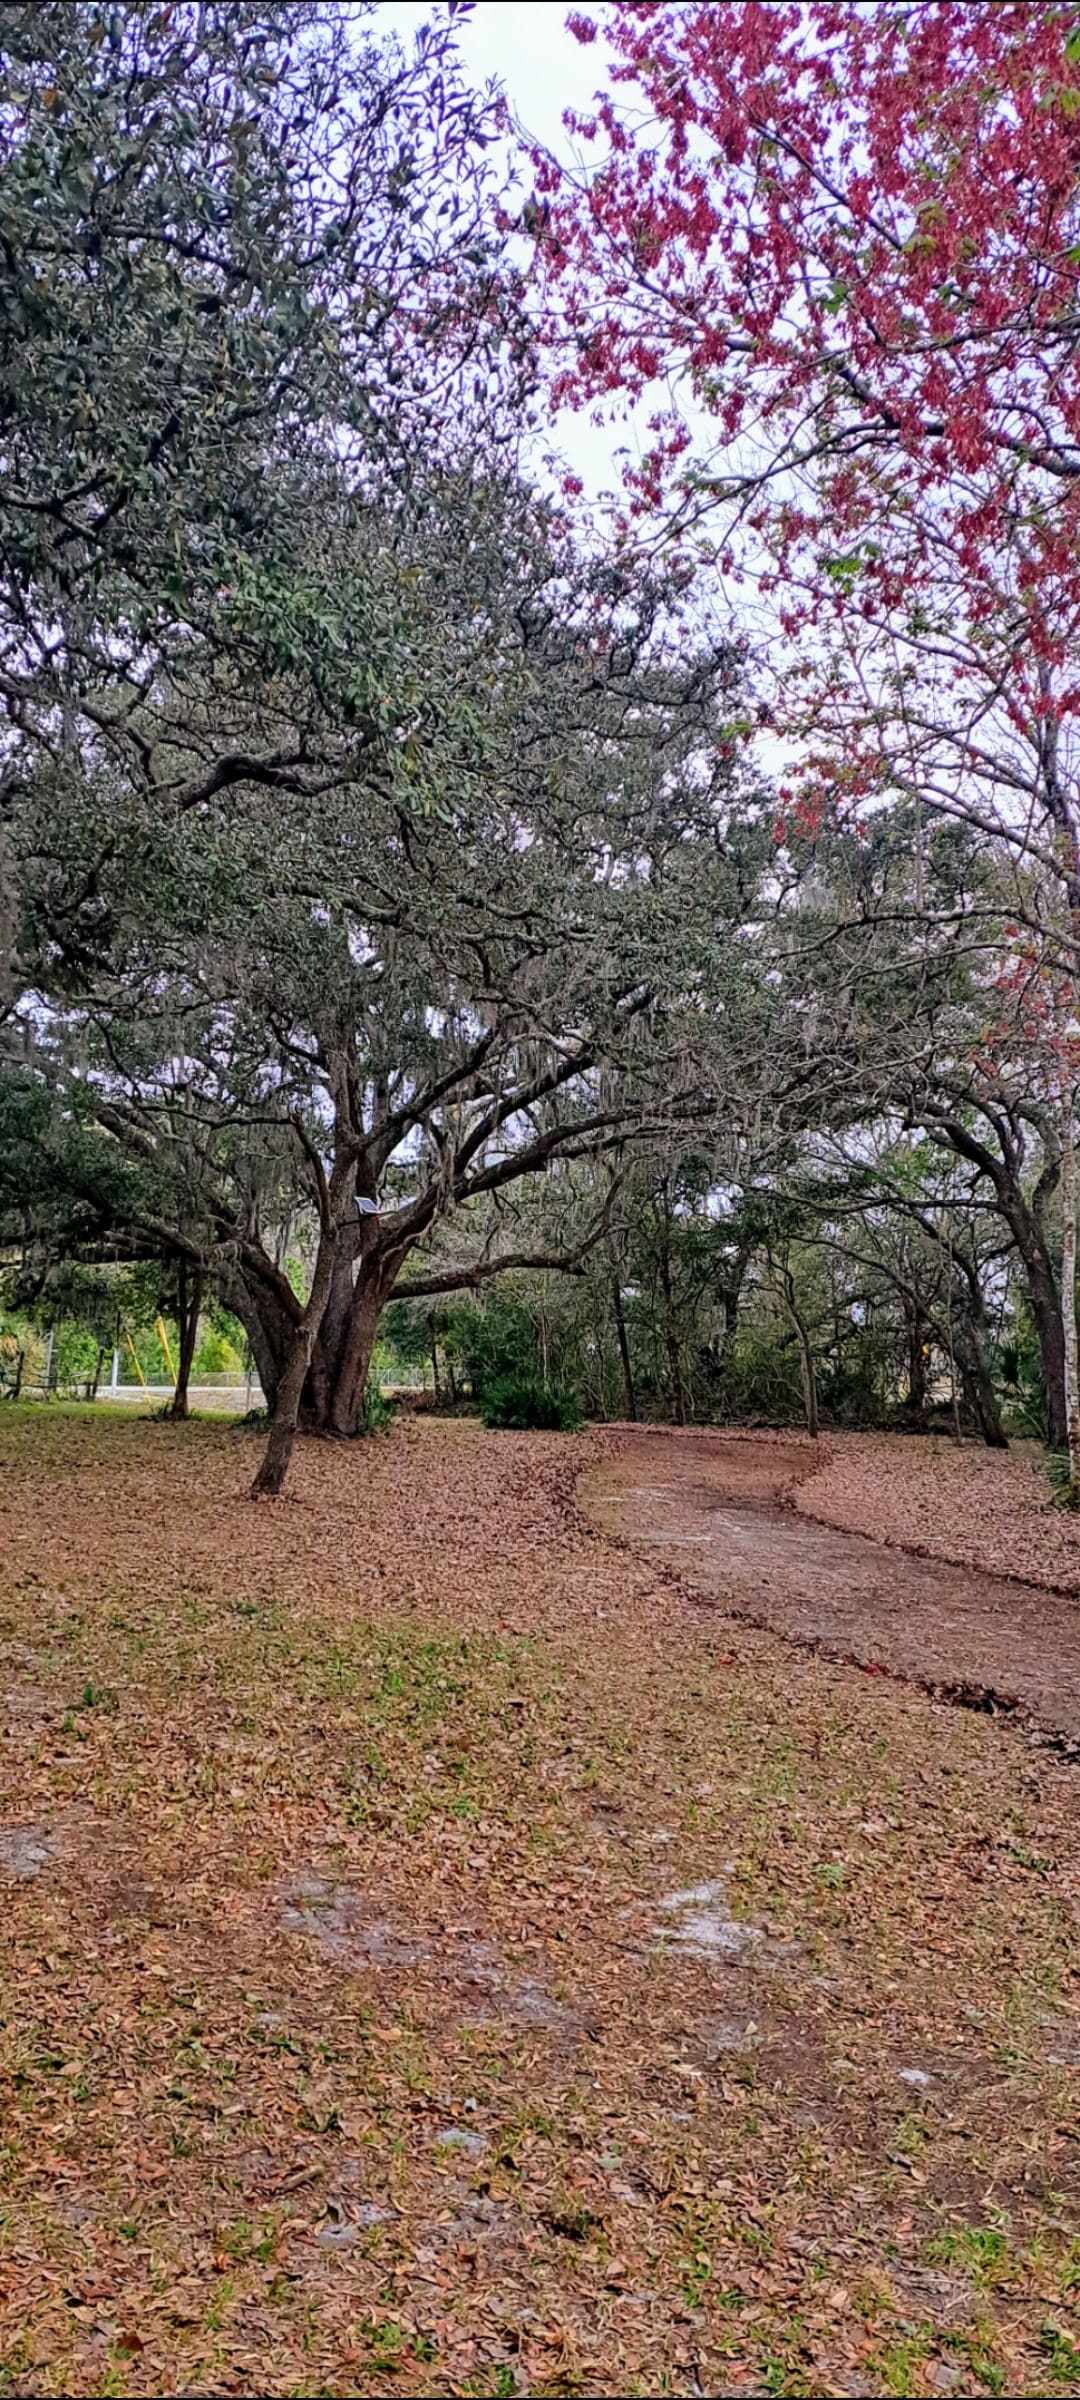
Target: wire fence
[(226, 1394)]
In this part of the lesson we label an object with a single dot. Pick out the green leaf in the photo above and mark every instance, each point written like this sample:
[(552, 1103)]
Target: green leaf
[(845, 570)]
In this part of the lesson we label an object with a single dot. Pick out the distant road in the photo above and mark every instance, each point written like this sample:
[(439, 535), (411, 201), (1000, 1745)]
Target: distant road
[(229, 1400)]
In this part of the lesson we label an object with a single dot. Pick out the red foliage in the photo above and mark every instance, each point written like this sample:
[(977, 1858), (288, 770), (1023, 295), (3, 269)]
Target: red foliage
[(852, 234), (881, 202)]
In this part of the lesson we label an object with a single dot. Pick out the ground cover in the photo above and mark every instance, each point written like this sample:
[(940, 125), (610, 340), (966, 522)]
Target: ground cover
[(447, 1954), (780, 1531), (984, 1508)]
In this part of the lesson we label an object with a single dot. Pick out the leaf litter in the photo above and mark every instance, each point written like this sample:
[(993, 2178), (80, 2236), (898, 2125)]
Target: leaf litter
[(350, 2038)]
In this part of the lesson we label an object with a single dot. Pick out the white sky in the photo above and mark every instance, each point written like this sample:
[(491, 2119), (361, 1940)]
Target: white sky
[(524, 45)]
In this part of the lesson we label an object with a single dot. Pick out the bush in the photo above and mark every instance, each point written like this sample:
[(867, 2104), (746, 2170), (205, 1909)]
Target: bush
[(216, 1355), (760, 1380), (1059, 1472), (495, 1343), (77, 1357), (377, 1413), (524, 1403), (1020, 1370)]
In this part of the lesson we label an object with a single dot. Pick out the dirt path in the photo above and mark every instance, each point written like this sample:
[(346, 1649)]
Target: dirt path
[(716, 1511)]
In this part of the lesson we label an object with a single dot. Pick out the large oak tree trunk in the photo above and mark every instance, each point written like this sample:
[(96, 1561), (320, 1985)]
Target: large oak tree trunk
[(283, 1424), (267, 1322), (333, 1400), (337, 1359), (304, 1333), (319, 1391), (347, 1399), (189, 1306)]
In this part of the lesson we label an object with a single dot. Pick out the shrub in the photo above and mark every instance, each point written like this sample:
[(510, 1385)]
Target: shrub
[(1060, 1474), (216, 1355), (525, 1403), (1020, 1371), (377, 1413), (759, 1379)]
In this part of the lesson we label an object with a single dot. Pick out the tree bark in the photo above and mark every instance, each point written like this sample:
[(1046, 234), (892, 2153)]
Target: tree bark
[(629, 1394), (1068, 1294), (347, 1400), (266, 1352), (973, 1362), (1024, 1219), (303, 1335), (189, 1306), (277, 1455), (729, 1302), (809, 1380), (252, 1290), (916, 1331), (335, 1376), (1050, 1334), (977, 1382), (806, 1355), (328, 1354), (671, 1339)]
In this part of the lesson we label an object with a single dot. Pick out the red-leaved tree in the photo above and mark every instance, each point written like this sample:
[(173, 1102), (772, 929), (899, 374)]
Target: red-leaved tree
[(840, 245)]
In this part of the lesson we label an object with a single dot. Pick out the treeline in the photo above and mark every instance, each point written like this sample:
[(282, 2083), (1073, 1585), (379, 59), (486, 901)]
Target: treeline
[(401, 926)]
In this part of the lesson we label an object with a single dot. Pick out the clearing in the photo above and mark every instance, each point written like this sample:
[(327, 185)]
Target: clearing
[(449, 1954)]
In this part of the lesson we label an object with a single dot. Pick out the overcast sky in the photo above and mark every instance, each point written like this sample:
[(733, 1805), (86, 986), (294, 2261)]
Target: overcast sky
[(524, 44)]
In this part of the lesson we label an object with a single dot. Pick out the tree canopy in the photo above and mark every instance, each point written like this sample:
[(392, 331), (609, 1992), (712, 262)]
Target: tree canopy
[(410, 890)]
